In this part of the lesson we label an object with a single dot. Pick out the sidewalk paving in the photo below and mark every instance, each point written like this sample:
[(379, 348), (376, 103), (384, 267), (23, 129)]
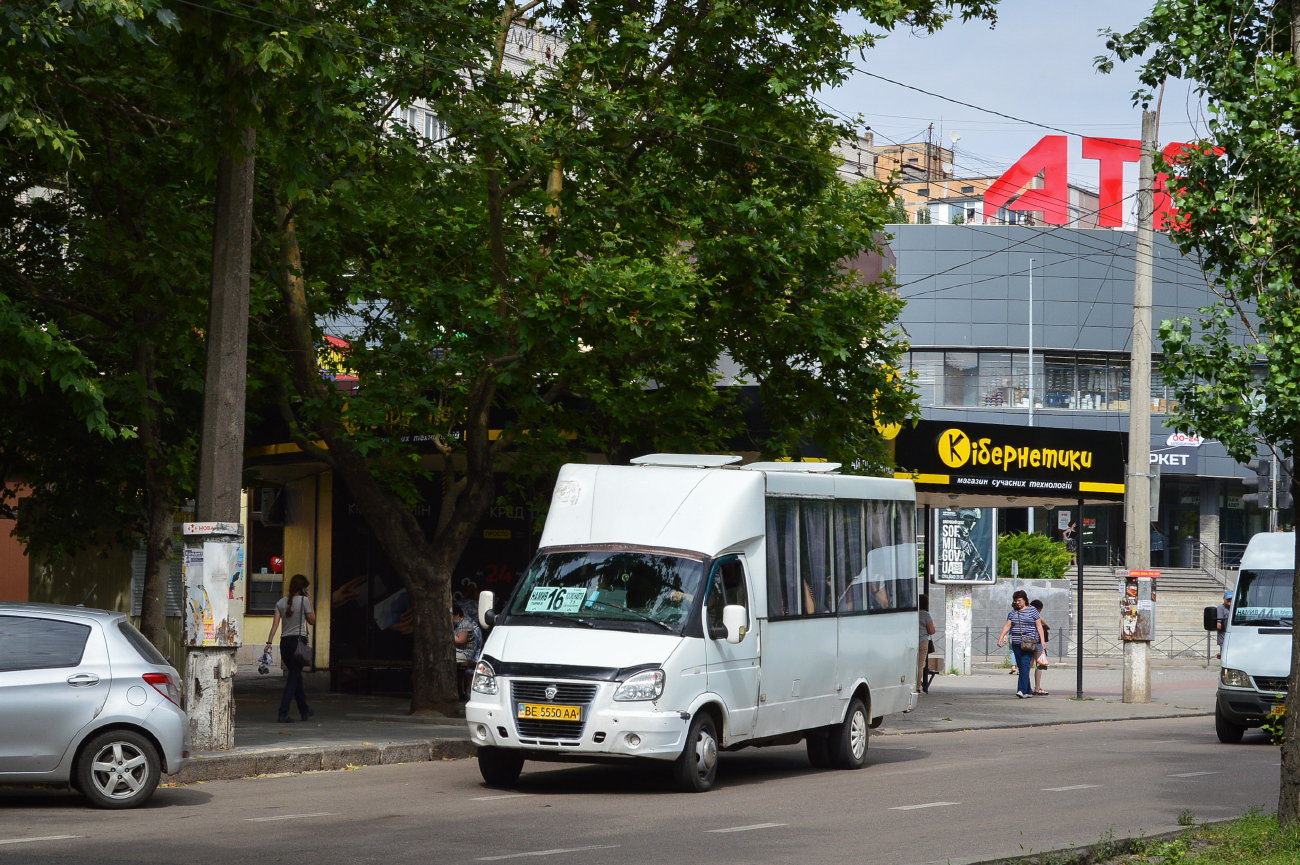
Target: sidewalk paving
[(986, 699), (357, 730), (347, 730)]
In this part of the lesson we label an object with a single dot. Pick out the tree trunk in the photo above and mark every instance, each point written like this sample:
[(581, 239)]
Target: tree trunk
[(157, 562), (159, 504), (425, 569), (1288, 797)]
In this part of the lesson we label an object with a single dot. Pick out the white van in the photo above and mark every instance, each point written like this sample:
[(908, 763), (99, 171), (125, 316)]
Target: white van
[(681, 606), (1257, 643)]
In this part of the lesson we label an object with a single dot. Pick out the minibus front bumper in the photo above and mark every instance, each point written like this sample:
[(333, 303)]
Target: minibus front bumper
[(608, 728), (1247, 708)]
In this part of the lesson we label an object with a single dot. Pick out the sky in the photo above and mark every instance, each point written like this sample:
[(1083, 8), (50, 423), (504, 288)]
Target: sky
[(1036, 64)]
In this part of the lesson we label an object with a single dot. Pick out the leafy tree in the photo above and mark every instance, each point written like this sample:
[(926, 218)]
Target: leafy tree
[(598, 226), (1236, 373), (107, 232), (1040, 557)]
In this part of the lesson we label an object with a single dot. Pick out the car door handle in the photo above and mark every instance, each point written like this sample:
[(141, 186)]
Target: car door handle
[(83, 680)]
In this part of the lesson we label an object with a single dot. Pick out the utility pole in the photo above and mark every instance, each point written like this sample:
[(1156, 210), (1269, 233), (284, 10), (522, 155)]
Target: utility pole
[(209, 670), (1137, 498), (1031, 369)]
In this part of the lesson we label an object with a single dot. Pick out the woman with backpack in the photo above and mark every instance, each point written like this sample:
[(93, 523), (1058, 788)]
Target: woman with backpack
[(297, 613), (1026, 631)]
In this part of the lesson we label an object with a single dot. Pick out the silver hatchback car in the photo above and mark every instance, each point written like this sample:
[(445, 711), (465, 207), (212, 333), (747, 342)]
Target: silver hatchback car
[(86, 700)]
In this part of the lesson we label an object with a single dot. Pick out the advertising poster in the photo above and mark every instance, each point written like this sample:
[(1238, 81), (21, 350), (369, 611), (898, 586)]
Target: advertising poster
[(965, 545), (215, 584)]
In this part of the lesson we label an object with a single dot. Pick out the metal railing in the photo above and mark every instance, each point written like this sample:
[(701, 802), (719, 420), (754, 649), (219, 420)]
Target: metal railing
[(1099, 644), (1230, 556)]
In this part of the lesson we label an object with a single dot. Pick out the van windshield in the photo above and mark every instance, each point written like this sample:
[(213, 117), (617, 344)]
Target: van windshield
[(600, 588), (1264, 599)]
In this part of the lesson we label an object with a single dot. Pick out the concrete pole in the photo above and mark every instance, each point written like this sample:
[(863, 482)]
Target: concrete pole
[(1137, 500), (210, 671)]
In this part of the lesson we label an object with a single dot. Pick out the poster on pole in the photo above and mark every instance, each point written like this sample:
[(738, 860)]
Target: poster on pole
[(214, 593), (966, 545)]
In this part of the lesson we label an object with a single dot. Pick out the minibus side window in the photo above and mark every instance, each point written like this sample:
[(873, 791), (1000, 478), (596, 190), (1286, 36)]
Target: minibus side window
[(727, 588), (881, 558), (850, 563), (782, 557), (816, 594), (905, 549)]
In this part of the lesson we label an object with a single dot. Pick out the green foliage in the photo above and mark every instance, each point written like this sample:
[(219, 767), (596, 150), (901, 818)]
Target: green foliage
[(1040, 557), (897, 212), (923, 216), (1254, 839), (1275, 726), (1186, 817)]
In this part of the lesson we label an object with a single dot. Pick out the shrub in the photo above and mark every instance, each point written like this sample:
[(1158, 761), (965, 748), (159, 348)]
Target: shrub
[(1040, 557)]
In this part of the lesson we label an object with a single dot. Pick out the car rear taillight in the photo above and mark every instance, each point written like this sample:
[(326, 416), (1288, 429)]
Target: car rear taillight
[(163, 684)]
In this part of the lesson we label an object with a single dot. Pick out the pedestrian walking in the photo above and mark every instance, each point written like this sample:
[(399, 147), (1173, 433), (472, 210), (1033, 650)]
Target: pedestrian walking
[(1026, 631), (1224, 611), (1040, 662), (296, 612), (923, 649)]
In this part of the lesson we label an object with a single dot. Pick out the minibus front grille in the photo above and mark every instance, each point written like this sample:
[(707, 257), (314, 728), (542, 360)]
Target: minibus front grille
[(566, 693), (1271, 683)]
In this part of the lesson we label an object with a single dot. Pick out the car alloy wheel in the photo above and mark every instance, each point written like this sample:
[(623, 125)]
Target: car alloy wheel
[(119, 770)]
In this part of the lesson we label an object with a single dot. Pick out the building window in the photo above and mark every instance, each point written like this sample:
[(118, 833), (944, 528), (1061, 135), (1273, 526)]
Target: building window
[(967, 190), (961, 378), (924, 191), (1072, 381)]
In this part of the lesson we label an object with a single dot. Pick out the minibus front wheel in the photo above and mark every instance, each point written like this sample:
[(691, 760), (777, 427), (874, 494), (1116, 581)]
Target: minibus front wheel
[(499, 767), (697, 768), (1228, 732)]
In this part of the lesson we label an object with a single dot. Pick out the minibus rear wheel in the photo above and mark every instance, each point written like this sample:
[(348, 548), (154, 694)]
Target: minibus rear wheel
[(848, 739), (499, 767), (697, 768), (1228, 732)]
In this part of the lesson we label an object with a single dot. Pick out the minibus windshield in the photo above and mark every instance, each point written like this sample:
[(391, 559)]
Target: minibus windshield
[(1264, 599), (604, 587)]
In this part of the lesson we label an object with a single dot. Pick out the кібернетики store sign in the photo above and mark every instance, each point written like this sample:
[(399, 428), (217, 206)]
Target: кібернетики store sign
[(1006, 460)]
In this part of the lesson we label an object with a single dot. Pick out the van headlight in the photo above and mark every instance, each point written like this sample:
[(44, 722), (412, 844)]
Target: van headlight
[(485, 678), (643, 686), (1234, 678)]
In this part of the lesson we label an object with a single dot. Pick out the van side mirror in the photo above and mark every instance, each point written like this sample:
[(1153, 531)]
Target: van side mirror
[(736, 620), (1211, 619), (486, 616)]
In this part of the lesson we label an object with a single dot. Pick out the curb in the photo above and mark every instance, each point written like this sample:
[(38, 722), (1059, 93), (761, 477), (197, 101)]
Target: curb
[(1088, 854), (960, 729), (226, 767)]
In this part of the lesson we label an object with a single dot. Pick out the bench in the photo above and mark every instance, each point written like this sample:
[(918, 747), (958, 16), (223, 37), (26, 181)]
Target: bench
[(933, 667)]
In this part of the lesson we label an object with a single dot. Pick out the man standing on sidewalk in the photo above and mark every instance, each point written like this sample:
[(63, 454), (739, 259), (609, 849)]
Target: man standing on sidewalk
[(1225, 610)]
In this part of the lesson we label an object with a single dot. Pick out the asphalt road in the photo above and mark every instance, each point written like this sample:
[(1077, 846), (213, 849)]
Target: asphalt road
[(930, 797)]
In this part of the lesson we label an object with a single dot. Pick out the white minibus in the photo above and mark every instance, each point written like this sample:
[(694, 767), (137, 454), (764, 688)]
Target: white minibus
[(1257, 643), (684, 605)]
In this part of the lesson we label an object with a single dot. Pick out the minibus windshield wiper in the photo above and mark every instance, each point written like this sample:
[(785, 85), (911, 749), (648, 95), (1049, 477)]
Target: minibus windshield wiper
[(637, 613)]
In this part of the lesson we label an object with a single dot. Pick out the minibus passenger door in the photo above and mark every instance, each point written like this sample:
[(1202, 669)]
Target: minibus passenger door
[(732, 667)]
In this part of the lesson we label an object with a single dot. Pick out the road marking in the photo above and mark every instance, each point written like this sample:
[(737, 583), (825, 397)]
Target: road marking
[(1192, 774), (502, 796), (291, 817), (748, 828), (926, 805), (1072, 787), (41, 838), (547, 852)]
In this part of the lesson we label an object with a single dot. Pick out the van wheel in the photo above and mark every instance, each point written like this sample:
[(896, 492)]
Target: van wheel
[(1229, 733), (499, 767), (819, 750), (697, 768), (118, 769), (848, 740)]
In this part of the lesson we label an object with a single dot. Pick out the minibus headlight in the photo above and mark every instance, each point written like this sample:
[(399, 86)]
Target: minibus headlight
[(485, 678), (643, 686), (1234, 678)]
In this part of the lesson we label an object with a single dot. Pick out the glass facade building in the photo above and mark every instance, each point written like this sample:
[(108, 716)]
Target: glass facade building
[(967, 319)]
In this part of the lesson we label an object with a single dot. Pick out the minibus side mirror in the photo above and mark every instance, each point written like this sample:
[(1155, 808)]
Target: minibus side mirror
[(486, 616), (736, 620), (1211, 619)]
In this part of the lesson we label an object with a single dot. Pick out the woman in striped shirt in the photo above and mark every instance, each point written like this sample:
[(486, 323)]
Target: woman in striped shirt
[(1022, 623)]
